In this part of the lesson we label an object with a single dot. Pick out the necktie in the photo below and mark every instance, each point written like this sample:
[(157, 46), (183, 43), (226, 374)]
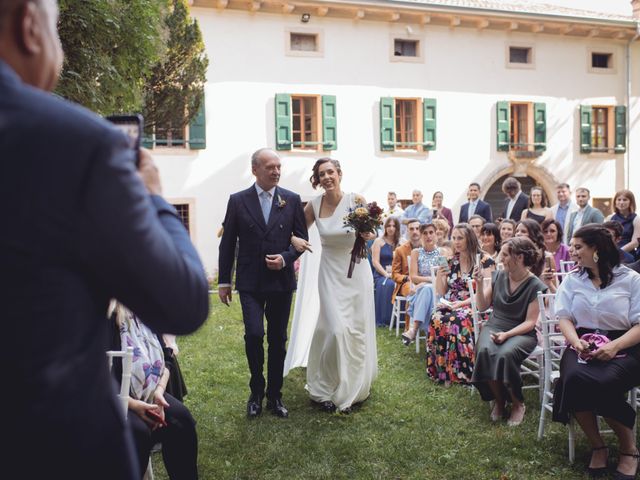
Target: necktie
[(265, 203)]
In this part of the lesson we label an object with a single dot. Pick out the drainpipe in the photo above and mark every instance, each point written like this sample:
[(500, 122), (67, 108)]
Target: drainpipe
[(627, 158)]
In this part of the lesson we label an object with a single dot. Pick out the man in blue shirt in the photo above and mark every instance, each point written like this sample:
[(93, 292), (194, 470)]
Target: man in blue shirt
[(416, 210)]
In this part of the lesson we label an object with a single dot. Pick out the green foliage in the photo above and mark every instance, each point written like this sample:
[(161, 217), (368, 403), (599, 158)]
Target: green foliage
[(110, 48), (175, 88), (409, 428)]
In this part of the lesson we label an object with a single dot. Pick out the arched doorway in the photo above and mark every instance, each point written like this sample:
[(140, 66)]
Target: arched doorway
[(495, 197)]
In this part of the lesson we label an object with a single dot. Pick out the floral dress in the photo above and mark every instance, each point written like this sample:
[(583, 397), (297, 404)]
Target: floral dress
[(450, 343)]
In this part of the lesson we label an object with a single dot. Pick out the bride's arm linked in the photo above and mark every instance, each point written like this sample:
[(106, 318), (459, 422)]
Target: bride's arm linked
[(300, 244)]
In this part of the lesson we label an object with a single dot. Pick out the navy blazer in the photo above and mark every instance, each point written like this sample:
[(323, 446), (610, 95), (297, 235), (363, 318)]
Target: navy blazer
[(244, 225), (81, 229), (483, 209), (522, 203)]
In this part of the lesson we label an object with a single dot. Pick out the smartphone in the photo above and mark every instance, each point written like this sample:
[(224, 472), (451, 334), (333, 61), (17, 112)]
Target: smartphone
[(132, 126), (155, 417), (550, 264), (442, 262)]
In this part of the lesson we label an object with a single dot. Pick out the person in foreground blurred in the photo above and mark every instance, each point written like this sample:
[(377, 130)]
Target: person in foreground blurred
[(155, 415), (86, 230), (509, 337), (599, 315)]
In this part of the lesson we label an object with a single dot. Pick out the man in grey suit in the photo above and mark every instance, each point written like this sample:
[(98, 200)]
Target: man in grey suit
[(83, 228), (585, 214)]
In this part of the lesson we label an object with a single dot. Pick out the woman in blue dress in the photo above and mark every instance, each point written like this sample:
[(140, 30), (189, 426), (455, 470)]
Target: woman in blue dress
[(422, 297), (381, 258), (624, 206)]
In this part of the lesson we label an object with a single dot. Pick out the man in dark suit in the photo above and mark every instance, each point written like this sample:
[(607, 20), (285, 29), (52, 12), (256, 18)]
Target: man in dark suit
[(475, 206), (82, 230), (516, 201), (585, 213), (261, 219)]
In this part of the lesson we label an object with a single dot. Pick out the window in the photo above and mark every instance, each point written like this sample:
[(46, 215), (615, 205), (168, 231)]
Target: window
[(407, 124), (304, 42), (521, 126), (168, 136), (183, 214), (194, 136), (405, 48), (603, 129), (601, 60), (186, 213), (519, 56), (306, 122)]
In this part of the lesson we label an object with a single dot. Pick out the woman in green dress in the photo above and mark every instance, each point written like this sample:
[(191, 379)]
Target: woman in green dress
[(509, 337)]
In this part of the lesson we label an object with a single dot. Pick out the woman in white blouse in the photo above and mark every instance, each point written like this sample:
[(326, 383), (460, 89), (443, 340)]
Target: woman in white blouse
[(602, 298)]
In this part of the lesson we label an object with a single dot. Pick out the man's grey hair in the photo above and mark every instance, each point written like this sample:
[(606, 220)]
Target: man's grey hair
[(583, 189), (416, 191), (255, 158)]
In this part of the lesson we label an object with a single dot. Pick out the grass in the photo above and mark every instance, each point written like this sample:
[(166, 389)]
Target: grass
[(409, 428)]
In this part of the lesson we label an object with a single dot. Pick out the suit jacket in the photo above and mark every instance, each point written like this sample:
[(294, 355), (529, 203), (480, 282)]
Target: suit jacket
[(244, 224), (83, 230), (591, 215), (522, 203), (400, 270), (483, 209)]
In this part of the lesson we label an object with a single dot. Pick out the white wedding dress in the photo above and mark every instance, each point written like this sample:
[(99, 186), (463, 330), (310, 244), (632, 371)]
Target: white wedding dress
[(340, 356)]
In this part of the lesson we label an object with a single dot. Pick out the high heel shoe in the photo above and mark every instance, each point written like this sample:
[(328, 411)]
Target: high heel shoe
[(623, 476), (409, 336), (597, 472)]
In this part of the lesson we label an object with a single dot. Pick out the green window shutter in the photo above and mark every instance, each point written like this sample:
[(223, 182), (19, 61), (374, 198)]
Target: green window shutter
[(502, 126), (387, 122), (198, 129), (585, 128), (540, 122), (621, 129), (429, 123), (329, 123), (283, 121)]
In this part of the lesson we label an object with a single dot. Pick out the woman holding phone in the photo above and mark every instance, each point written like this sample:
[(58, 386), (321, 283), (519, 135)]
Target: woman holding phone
[(450, 339), (509, 337), (154, 415)]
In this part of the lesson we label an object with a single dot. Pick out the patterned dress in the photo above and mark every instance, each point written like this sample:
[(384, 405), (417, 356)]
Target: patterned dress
[(450, 343)]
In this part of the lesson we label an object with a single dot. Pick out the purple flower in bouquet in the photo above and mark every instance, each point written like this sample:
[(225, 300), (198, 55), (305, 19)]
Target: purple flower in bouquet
[(362, 218)]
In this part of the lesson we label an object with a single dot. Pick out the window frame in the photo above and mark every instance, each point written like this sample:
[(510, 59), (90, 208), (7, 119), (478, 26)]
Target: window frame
[(417, 125), (191, 205), (317, 123), (611, 130), (531, 65), (613, 69), (317, 32), (404, 36), (529, 146)]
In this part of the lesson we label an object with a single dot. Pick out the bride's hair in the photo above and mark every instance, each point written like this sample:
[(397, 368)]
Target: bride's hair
[(315, 178)]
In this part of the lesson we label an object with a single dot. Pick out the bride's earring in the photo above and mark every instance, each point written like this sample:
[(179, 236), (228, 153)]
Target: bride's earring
[(596, 257)]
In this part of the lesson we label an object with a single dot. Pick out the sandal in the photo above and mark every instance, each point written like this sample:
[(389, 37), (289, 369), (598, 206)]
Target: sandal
[(623, 476), (597, 472)]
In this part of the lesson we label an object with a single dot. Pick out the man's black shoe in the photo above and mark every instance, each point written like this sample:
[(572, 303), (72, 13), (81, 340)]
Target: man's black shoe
[(254, 406), (277, 408)]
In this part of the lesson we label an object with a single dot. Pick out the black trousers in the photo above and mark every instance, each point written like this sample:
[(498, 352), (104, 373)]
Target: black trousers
[(179, 441), (275, 307)]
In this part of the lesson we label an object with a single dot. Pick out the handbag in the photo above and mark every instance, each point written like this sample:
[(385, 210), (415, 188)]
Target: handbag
[(595, 341)]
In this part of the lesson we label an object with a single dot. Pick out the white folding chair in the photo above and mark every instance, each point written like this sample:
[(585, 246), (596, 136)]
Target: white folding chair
[(125, 384), (475, 314), (399, 310)]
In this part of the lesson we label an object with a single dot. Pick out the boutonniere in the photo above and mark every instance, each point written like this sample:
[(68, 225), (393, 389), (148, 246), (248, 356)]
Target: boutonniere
[(281, 202)]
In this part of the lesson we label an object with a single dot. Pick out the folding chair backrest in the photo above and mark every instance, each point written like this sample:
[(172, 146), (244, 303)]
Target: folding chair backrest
[(474, 310), (552, 341), (127, 365)]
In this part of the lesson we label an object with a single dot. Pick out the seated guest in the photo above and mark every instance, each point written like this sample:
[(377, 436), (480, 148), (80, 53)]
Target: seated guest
[(624, 205), (615, 229), (596, 371), (381, 259), (538, 209), (490, 239), (509, 337), (400, 264), (450, 338), (553, 235), (442, 230), (421, 298), (507, 229), (155, 416), (440, 211), (476, 222), (545, 269)]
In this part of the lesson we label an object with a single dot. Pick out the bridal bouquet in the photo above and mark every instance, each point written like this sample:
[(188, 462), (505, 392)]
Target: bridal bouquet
[(362, 218)]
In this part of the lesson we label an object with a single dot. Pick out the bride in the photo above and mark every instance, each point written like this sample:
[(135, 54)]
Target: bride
[(342, 357)]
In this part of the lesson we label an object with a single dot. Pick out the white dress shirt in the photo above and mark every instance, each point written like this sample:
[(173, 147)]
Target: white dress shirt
[(616, 307), (511, 204)]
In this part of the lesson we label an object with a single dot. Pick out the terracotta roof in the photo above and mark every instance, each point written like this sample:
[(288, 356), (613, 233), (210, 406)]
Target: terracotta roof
[(515, 6)]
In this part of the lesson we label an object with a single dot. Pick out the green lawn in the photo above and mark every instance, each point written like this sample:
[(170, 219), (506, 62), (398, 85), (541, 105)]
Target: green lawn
[(408, 429)]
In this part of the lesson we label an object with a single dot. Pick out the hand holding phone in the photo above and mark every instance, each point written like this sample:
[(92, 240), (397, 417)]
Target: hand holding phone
[(132, 126)]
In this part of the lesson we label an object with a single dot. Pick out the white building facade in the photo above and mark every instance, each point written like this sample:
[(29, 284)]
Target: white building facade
[(430, 95)]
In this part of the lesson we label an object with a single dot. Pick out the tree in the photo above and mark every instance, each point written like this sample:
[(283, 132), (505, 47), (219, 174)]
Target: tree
[(175, 89), (110, 49)]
